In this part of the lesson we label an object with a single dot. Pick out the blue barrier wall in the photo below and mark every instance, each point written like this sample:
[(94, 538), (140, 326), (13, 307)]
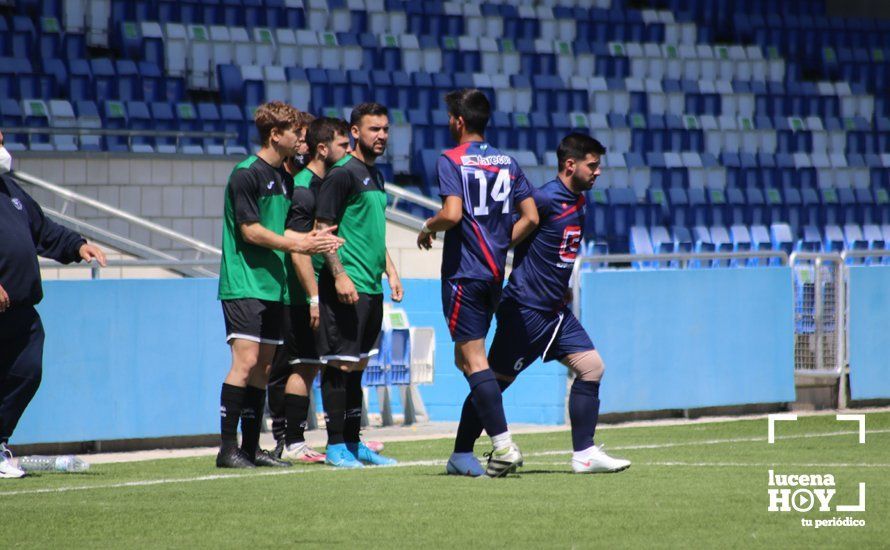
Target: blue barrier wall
[(128, 359), (145, 358), (692, 338), (869, 327)]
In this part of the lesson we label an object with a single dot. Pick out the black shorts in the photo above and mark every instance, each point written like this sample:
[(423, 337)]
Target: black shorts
[(254, 320), (299, 338), (347, 332)]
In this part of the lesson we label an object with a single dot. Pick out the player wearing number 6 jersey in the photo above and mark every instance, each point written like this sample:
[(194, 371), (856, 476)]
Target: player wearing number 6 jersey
[(534, 320), (480, 188)]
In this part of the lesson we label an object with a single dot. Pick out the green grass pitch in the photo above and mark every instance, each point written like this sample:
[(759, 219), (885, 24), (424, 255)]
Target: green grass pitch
[(701, 485)]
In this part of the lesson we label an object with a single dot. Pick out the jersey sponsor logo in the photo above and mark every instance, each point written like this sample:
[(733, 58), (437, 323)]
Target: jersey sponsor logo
[(491, 160), (270, 185), (571, 243), (18, 204), (366, 182)]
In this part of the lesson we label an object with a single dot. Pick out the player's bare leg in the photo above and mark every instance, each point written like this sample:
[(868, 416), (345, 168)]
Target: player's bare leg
[(584, 407)]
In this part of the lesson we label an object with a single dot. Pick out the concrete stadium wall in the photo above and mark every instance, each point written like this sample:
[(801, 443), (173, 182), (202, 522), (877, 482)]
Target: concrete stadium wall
[(692, 338), (869, 327), (177, 191)]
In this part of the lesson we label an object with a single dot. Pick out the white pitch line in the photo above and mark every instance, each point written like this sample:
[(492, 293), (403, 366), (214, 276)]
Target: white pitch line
[(149, 482), (715, 442), (215, 477), (739, 464)]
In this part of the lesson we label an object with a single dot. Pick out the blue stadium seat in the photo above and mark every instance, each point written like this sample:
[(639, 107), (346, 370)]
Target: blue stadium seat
[(210, 120), (439, 130), (834, 238), (11, 116), (741, 242), (80, 80), (811, 240), (623, 213), (139, 118), (359, 86), (233, 119), (129, 87), (164, 120), (187, 121), (782, 238), (153, 88), (114, 117), (854, 240), (425, 164), (424, 93), (104, 78), (399, 363), (74, 46), (640, 244), (231, 85)]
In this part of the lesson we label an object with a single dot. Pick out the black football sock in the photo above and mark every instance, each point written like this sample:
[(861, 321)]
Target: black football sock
[(333, 397), (353, 425), (252, 419), (231, 399), (296, 408)]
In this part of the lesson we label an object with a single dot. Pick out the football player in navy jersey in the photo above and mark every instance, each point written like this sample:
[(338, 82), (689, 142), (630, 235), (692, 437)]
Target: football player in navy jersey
[(481, 187), (534, 319)]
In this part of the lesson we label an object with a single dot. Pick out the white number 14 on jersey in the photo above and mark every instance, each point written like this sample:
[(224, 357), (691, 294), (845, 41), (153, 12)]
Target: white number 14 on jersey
[(499, 192)]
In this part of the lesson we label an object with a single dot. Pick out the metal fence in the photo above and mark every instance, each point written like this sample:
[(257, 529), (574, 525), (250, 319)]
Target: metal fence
[(820, 317)]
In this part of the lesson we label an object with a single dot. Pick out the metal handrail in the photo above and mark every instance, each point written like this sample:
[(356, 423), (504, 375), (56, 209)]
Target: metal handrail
[(70, 196), (402, 194), (681, 256), (85, 131), (174, 263), (864, 253), (801, 255)]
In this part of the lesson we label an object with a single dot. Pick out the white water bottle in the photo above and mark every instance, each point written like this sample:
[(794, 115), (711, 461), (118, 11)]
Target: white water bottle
[(65, 463)]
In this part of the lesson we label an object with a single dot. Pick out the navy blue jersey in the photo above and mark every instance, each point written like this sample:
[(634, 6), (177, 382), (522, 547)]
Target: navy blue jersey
[(25, 233), (542, 264), (491, 184)]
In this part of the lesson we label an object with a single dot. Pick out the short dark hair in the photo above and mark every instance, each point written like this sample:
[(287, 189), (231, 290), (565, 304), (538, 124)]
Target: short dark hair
[(577, 146), (323, 130), (472, 105), (365, 109)]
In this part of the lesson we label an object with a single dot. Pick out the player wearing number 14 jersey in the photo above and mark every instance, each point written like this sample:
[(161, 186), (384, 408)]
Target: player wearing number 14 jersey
[(534, 320), (481, 187)]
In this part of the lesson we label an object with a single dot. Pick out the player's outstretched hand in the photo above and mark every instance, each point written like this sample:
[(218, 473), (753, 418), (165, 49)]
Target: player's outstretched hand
[(346, 292), (425, 240), (89, 252), (321, 241), (395, 288), (4, 300), (569, 297), (314, 316)]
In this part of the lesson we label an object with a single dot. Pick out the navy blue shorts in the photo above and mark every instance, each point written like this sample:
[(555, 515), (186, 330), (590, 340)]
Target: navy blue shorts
[(469, 305), (525, 334)]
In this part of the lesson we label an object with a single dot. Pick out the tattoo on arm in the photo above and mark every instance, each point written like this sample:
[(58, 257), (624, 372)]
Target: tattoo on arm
[(331, 258)]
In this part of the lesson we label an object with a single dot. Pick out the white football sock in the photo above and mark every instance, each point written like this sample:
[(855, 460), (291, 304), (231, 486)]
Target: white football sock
[(502, 441)]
